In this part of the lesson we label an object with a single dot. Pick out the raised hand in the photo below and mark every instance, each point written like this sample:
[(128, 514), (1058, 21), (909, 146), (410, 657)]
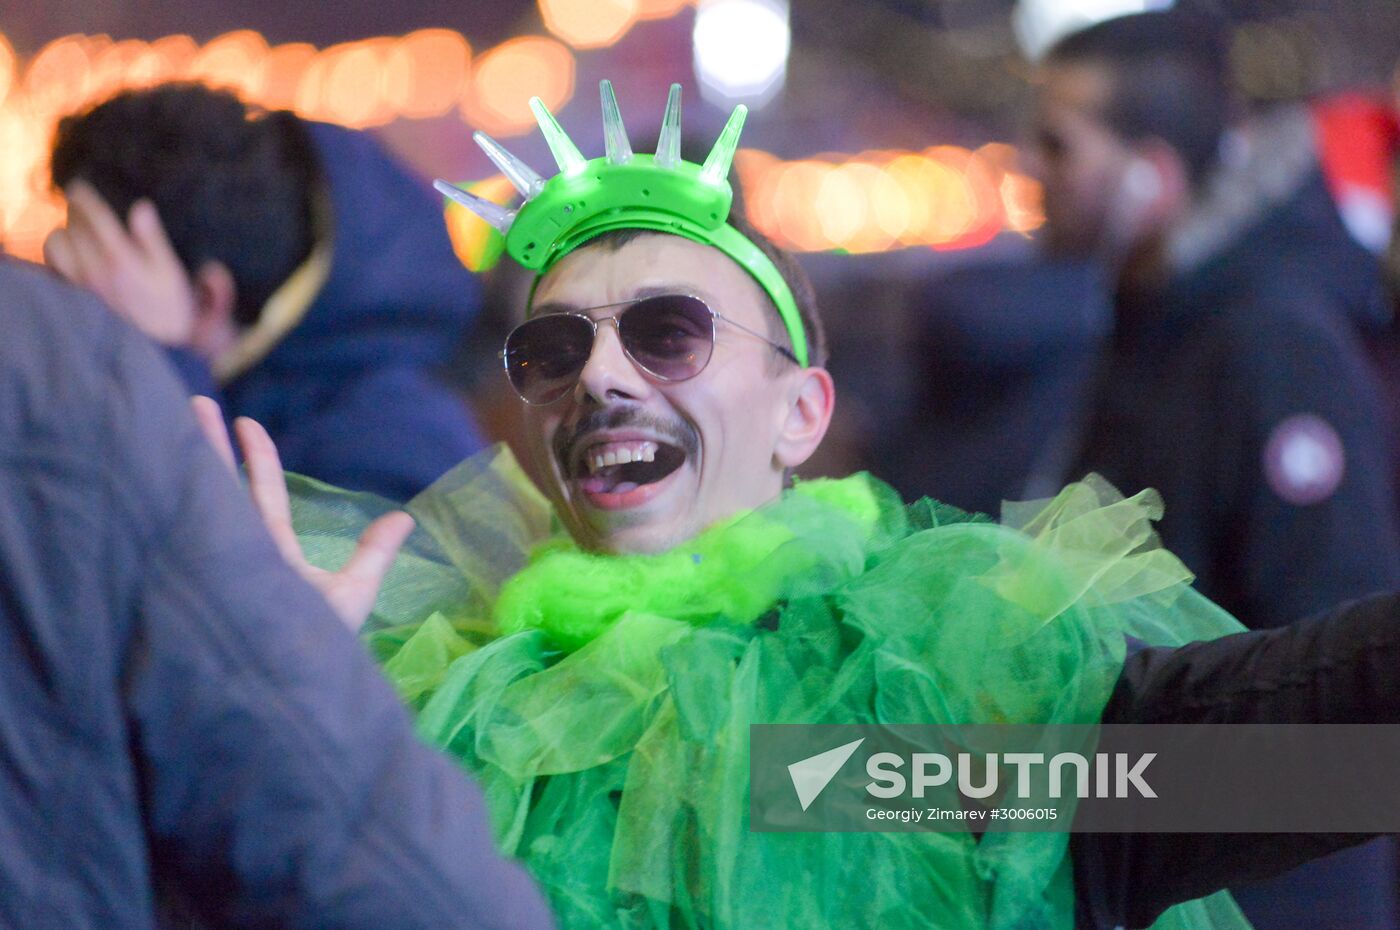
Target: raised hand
[(132, 267), (351, 590)]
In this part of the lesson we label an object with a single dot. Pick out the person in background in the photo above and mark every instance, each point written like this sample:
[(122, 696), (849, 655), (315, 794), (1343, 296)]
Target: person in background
[(188, 734), (1234, 380), (1358, 149), (1001, 357), (283, 260)]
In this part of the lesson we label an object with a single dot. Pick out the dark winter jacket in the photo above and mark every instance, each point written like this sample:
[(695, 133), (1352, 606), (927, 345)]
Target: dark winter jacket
[(1241, 391)]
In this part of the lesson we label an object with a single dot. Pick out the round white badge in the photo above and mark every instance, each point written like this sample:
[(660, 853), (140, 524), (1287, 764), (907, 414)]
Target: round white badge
[(1304, 460)]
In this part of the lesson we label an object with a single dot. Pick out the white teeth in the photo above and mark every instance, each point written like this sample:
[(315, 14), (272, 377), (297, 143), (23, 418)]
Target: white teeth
[(622, 454)]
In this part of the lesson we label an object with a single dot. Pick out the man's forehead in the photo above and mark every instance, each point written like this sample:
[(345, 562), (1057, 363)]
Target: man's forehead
[(605, 274), (542, 307)]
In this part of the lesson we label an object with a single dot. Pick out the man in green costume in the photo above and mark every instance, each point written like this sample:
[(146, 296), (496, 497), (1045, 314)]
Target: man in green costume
[(600, 680)]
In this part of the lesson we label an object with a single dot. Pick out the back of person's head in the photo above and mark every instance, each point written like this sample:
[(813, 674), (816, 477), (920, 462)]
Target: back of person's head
[(1169, 79), (231, 184)]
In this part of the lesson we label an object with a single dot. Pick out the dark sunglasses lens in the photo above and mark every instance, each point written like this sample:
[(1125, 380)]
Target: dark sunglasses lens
[(545, 355), (671, 336)]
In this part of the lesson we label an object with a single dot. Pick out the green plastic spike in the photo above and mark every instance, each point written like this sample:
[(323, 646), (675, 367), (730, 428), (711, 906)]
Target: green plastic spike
[(566, 155), (493, 213), (627, 190), (522, 176), (716, 168), (614, 132), (668, 146)]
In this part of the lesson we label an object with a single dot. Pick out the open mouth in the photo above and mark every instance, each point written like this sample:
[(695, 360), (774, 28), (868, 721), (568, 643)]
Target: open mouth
[(619, 468)]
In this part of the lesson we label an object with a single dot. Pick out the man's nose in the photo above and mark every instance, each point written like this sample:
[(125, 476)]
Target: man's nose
[(610, 374)]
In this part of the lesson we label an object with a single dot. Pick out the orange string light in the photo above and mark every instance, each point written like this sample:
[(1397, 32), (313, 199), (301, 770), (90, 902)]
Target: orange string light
[(427, 73), (505, 78), (9, 68), (422, 75), (943, 198), (661, 9), (588, 23)]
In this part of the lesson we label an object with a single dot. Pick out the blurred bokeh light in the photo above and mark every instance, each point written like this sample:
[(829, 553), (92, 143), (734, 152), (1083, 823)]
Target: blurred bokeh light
[(588, 23), (943, 198), (505, 78), (1041, 23), (741, 49), (425, 74)]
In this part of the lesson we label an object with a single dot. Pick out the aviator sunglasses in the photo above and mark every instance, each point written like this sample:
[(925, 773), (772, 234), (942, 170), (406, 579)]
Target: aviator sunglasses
[(670, 337)]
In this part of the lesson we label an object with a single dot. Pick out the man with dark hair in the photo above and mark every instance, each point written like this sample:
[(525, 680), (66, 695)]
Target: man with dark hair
[(187, 732), (1159, 85), (234, 194), (1233, 380), (288, 260)]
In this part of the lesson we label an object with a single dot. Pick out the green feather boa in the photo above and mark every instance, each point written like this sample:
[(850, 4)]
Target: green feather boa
[(728, 571)]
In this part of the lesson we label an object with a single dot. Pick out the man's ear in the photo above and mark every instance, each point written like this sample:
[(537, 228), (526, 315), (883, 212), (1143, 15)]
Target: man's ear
[(1161, 175), (811, 398), (215, 296)]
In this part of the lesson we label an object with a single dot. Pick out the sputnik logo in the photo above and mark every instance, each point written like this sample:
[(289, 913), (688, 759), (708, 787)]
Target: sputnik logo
[(811, 775)]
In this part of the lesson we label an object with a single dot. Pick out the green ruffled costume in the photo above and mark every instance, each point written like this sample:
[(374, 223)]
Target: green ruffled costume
[(603, 703)]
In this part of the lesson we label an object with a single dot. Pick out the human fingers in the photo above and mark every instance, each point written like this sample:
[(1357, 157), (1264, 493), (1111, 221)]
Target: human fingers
[(150, 236), (58, 254), (378, 546), (267, 484), (211, 423), (87, 264), (363, 574), (88, 211)]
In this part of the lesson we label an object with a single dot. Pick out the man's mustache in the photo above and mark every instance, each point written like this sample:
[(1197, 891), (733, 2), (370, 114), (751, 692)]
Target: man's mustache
[(674, 431)]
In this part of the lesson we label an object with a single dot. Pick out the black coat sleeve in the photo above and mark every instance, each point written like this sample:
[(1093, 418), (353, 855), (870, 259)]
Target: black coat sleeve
[(1305, 513), (1340, 667)]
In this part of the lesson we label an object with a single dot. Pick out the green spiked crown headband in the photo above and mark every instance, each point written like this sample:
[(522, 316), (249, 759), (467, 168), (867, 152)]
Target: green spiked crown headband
[(626, 190)]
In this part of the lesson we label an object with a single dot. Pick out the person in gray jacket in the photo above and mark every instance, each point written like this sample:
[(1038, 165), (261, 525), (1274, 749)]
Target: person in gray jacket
[(187, 732)]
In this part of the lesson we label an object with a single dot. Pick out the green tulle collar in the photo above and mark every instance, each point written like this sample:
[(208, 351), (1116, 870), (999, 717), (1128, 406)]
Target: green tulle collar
[(734, 571)]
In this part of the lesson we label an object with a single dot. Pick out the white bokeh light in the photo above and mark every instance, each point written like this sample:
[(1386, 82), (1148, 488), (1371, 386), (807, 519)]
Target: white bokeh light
[(1039, 24), (741, 50)]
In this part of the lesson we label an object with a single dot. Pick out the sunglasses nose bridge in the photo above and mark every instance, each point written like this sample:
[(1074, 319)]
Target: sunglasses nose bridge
[(610, 369)]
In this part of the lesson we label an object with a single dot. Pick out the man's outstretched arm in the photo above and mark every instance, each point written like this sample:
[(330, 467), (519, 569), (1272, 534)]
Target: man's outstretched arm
[(1341, 667)]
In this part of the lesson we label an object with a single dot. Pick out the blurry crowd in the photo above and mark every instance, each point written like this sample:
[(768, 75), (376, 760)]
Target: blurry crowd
[(1210, 311)]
